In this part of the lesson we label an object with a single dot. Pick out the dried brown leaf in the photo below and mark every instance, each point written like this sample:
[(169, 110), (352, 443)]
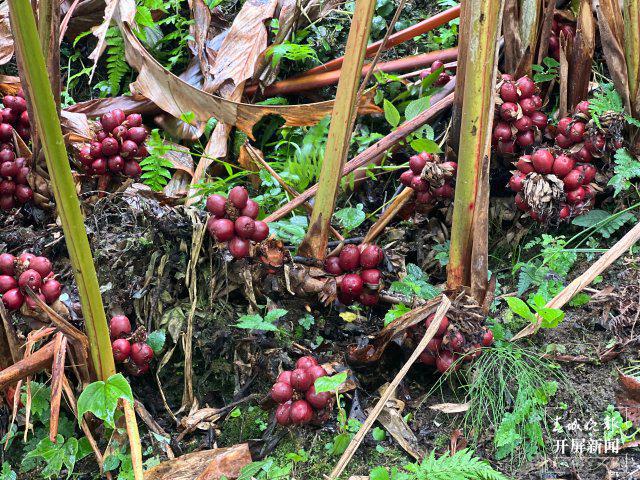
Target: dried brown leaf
[(6, 37)]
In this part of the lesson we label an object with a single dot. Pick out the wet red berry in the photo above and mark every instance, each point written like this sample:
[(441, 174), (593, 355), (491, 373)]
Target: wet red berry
[(317, 400), (301, 379), (30, 278), (216, 205), (51, 289), (7, 282), (239, 247), (281, 392), (261, 231), (371, 256), (542, 160), (332, 266), (121, 349), (239, 197), (283, 414), (352, 284), (119, 326), (349, 258), (141, 353), (301, 412), (306, 362), (13, 299)]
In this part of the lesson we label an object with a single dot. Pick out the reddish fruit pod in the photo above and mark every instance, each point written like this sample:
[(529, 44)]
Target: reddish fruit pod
[(369, 299), (352, 284), (502, 131), (349, 258), (7, 264), (216, 205), (509, 92), (573, 180), (564, 212), (371, 256), (301, 412), (427, 358), (332, 266), (7, 282), (443, 325), (589, 172), (316, 372), (542, 160), (239, 196), (577, 132), (539, 119), (487, 338), (6, 132), (509, 111), (436, 65), (445, 191), (524, 164), (239, 247), (25, 258), (132, 169), (141, 353), (121, 349), (317, 400), (137, 135), (526, 86), (245, 227), (562, 165), (301, 379), (563, 141), (251, 209), (507, 147), (128, 149), (576, 196), (261, 231), (42, 265), (110, 146), (417, 164), (283, 414), (406, 178), (118, 115), (345, 299), (444, 361), (525, 139), (523, 123), (419, 184), (521, 203), (134, 120), (456, 341), (222, 229), (424, 198), (371, 277), (285, 376), (433, 346), (13, 299), (30, 278), (516, 181), (108, 121), (281, 392), (115, 164), (119, 326), (51, 289), (23, 194), (528, 105), (99, 166), (306, 362), (584, 155)]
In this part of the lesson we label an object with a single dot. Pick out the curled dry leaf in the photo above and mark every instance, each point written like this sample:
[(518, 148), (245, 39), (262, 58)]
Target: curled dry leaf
[(6, 37), (628, 399)]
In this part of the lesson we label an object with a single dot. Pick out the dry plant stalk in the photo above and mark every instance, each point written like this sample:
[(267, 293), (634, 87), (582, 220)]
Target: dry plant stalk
[(383, 220), (582, 56), (34, 363), (57, 376), (631, 15), (314, 244), (476, 77)]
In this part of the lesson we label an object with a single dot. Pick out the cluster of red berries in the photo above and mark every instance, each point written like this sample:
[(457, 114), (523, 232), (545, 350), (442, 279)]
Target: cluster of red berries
[(559, 26), (14, 117), (364, 281), (562, 185), (574, 133), (518, 117), (295, 393), (27, 270), (234, 221), (129, 349), (443, 76), (118, 146), (431, 179), (449, 344), (14, 184)]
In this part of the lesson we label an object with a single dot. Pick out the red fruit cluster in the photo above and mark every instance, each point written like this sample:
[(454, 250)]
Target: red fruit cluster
[(234, 221), (559, 26), (449, 344), (359, 279), (443, 76), (118, 146), (14, 117), (14, 184), (575, 179), (519, 121), (431, 179), (130, 350), (295, 393), (574, 134), (27, 270)]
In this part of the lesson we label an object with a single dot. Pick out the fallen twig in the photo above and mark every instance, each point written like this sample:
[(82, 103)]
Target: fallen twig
[(34, 363), (383, 220)]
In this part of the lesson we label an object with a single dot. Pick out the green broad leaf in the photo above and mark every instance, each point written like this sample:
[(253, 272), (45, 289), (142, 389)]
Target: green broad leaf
[(551, 62), (255, 322), (330, 384), (416, 107), (551, 317), (425, 145), (519, 307), (379, 473), (188, 117), (340, 444), (351, 218), (391, 113), (156, 340), (378, 434), (632, 121), (7, 472), (101, 398), (40, 395), (395, 312), (579, 300), (55, 455), (606, 224), (275, 314)]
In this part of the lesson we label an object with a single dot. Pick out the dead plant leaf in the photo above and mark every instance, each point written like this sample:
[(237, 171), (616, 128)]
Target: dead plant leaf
[(628, 400), (6, 37), (450, 407)]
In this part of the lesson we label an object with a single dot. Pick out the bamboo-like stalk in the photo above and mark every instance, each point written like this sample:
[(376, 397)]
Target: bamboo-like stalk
[(35, 79), (342, 119), (481, 22), (631, 15), (582, 56)]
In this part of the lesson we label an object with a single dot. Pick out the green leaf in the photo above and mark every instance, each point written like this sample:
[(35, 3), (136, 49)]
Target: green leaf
[(551, 317), (391, 113), (351, 218), (156, 340), (55, 455), (607, 224), (330, 384), (7, 472), (275, 314), (395, 312), (255, 322), (379, 473), (627, 167), (416, 107), (101, 398), (425, 145), (378, 434), (520, 308), (340, 444)]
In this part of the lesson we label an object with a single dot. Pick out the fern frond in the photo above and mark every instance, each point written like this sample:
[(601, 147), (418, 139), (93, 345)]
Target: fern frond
[(117, 66), (460, 466), (155, 167)]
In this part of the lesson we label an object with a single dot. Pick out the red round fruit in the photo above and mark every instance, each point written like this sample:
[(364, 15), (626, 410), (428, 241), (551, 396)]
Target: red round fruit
[(345, 299), (526, 86), (445, 191), (115, 163), (281, 392), (23, 175), (216, 205), (524, 164), (523, 124), (7, 203), (528, 106), (542, 160), (128, 149), (487, 338), (589, 172), (507, 148), (352, 284), (577, 131), (332, 266), (583, 107), (283, 414), (137, 135), (502, 131), (109, 122), (301, 379), (95, 149), (316, 372), (371, 277), (450, 169), (301, 412), (30, 278), (31, 303), (584, 155), (141, 353), (456, 341), (8, 116), (99, 166), (7, 155), (6, 132), (306, 362), (101, 135), (119, 326), (444, 361), (539, 119), (563, 141), (565, 211), (567, 30), (406, 178), (443, 325), (7, 264), (23, 193), (537, 100), (142, 152), (369, 299), (317, 400), (239, 247), (7, 282), (521, 203), (564, 124), (239, 197), (573, 180), (121, 349), (516, 181), (134, 120), (285, 376), (509, 92), (25, 258), (433, 346), (424, 197), (261, 231), (427, 358), (7, 187), (416, 164), (85, 156), (349, 258), (251, 209), (13, 299), (110, 146), (508, 111), (42, 265), (563, 165), (245, 227), (51, 289), (132, 169), (371, 256), (525, 139), (419, 184), (436, 65), (507, 77), (576, 196), (118, 115)]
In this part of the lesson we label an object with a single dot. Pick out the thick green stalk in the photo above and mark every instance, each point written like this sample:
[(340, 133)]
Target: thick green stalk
[(342, 119), (480, 22)]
